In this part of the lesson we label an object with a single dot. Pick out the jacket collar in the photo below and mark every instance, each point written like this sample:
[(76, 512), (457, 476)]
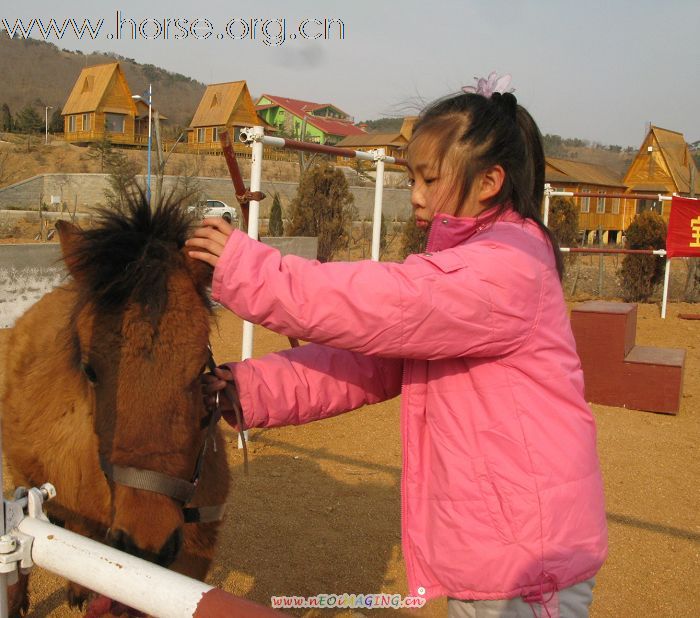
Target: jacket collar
[(448, 231)]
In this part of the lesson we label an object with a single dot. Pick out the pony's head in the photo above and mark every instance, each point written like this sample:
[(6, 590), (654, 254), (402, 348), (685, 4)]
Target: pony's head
[(140, 333)]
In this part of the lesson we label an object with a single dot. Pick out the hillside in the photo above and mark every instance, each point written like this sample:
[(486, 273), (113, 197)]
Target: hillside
[(37, 73)]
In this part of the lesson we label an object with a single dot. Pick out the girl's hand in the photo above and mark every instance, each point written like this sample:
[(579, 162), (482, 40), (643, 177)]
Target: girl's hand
[(209, 240), (214, 384)]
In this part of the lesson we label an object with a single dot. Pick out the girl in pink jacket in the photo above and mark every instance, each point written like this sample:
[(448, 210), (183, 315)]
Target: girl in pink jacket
[(502, 498)]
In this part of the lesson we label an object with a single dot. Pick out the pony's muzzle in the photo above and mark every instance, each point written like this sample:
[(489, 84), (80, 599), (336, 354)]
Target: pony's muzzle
[(164, 557)]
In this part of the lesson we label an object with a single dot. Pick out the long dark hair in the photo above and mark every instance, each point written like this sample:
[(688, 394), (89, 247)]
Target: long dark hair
[(477, 133)]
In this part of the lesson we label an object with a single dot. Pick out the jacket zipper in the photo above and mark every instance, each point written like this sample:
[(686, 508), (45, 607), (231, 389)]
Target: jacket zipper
[(408, 558)]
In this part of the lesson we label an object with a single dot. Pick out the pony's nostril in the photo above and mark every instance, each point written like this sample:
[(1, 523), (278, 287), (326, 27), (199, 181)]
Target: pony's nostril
[(171, 549), (164, 557), (123, 542)]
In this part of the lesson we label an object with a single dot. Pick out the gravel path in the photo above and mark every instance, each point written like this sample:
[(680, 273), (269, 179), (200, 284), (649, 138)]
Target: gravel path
[(319, 511)]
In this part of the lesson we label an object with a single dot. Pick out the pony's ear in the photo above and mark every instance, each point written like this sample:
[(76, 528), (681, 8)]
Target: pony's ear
[(69, 237)]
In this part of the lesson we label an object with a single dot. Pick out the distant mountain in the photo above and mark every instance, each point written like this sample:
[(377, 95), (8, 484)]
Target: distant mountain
[(38, 73), (383, 125)]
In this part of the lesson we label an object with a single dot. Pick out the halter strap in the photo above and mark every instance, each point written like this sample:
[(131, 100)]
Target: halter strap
[(176, 488), (150, 480)]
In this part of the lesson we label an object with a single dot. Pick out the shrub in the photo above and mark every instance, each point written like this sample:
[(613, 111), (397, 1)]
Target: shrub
[(276, 227), (640, 274), (563, 221), (413, 238), (323, 207)]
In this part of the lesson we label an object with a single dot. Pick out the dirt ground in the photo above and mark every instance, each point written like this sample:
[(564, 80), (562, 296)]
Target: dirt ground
[(319, 511)]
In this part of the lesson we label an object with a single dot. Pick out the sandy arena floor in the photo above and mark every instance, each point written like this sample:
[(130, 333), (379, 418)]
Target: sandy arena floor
[(319, 511)]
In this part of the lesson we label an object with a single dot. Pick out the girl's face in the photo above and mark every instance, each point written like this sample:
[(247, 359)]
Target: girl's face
[(435, 188)]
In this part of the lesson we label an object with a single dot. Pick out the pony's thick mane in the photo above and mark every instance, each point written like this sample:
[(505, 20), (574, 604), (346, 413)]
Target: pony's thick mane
[(130, 254)]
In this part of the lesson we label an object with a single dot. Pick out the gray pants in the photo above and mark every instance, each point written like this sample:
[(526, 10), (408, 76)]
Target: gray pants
[(572, 602)]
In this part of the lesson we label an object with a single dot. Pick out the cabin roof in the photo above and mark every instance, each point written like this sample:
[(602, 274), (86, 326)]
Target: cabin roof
[(373, 139), (677, 156), (303, 109), (90, 88), (579, 172), (224, 104)]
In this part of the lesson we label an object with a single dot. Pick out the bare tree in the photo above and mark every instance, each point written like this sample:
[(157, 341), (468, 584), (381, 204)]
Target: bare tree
[(6, 161)]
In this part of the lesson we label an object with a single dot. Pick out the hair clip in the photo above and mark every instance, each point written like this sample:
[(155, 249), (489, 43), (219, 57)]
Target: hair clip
[(486, 86)]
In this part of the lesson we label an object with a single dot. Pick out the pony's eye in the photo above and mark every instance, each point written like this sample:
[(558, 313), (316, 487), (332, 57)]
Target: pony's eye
[(89, 372)]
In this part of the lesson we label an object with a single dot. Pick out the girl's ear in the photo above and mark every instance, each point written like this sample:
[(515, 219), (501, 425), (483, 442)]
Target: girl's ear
[(490, 182)]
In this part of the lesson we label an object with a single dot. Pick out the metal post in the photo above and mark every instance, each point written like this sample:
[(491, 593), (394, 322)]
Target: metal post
[(4, 610), (46, 121), (667, 275), (378, 194), (253, 220), (150, 100), (547, 193), (253, 224)]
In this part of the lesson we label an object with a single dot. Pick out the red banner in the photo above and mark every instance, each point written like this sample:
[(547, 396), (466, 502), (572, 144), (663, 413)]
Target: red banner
[(683, 239)]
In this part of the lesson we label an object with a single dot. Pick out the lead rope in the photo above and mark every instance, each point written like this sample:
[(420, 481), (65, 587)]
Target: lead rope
[(232, 395)]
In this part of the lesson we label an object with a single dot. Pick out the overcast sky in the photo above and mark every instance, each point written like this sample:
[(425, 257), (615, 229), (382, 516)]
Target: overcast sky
[(598, 70)]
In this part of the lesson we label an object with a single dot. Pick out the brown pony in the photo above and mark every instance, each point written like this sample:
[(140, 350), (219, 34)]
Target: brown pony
[(103, 376)]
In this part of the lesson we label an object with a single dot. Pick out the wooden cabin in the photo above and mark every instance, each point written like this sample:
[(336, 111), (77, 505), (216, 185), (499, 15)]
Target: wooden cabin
[(663, 166), (601, 219), (141, 121), (394, 144), (100, 105), (223, 106)]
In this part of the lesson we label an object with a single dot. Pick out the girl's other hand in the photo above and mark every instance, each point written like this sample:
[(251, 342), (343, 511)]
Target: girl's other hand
[(208, 241)]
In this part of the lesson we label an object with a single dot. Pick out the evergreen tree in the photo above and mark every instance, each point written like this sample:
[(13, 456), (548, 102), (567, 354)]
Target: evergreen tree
[(122, 179), (323, 207), (6, 123), (276, 227), (640, 274), (563, 221), (104, 152), (413, 238), (56, 122), (29, 121)]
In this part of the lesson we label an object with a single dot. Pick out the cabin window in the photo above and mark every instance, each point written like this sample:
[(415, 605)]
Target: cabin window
[(86, 122), (600, 205), (616, 206), (71, 124), (215, 134), (201, 133), (644, 205), (114, 123), (585, 204)]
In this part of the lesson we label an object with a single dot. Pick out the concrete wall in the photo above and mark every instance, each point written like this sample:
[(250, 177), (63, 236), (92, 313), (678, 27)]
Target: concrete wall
[(88, 190), (303, 246), (27, 272)]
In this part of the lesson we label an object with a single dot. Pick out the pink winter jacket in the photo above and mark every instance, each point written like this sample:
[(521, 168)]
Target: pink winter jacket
[(501, 487)]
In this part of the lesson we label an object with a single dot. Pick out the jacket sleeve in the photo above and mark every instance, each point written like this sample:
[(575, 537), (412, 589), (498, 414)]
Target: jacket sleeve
[(311, 382), (469, 301)]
